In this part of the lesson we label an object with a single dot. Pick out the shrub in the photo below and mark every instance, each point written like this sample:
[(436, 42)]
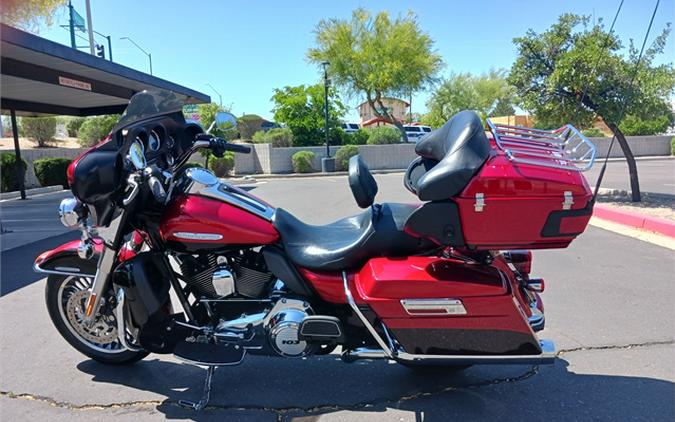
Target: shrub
[(8, 179), (73, 126), (278, 137), (52, 171), (40, 129), (360, 137), (635, 126), (302, 161), (336, 136), (248, 125), (343, 154), (222, 167), (383, 135), (593, 132), (94, 129), (192, 164), (672, 145)]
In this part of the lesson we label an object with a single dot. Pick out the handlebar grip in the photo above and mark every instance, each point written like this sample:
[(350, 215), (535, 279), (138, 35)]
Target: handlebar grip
[(157, 189), (244, 149)]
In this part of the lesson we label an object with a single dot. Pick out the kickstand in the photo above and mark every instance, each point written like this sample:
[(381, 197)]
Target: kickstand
[(206, 394)]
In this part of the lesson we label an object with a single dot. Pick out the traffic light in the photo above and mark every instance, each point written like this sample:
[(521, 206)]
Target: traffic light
[(100, 51)]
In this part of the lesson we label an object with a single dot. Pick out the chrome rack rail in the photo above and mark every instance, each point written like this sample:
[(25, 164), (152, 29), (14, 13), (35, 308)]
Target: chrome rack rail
[(564, 148)]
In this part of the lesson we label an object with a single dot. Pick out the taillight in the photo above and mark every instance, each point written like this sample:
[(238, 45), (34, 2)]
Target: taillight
[(521, 260)]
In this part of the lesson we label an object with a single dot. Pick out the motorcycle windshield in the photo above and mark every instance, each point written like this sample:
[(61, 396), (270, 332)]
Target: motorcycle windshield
[(147, 104)]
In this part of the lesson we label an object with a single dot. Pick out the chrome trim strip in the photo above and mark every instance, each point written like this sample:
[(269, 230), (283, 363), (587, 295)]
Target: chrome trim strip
[(37, 269), (197, 236), (425, 307), (395, 352)]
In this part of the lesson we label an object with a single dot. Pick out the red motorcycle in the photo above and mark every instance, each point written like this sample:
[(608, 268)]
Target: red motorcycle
[(173, 260)]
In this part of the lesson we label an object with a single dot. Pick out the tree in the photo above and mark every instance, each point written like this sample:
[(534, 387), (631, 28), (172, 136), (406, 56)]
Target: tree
[(556, 77), (207, 114), (464, 91), (29, 14), (377, 57), (301, 108), (40, 129)]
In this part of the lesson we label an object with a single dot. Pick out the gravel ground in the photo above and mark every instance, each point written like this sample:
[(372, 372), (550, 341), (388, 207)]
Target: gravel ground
[(653, 206)]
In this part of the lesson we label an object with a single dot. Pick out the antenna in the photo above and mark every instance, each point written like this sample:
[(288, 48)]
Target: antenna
[(623, 106)]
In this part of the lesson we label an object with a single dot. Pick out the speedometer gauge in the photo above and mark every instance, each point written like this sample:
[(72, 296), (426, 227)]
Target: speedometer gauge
[(154, 142)]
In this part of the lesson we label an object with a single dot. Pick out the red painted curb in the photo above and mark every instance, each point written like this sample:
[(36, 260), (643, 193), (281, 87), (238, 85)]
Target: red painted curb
[(638, 221)]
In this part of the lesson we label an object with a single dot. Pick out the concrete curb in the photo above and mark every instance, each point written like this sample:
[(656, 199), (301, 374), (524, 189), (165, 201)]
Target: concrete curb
[(30, 192), (638, 221), (627, 193)]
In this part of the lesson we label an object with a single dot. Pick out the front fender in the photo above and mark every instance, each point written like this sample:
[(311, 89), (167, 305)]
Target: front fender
[(64, 260)]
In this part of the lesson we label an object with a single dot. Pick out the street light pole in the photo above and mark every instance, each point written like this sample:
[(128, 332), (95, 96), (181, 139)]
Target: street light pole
[(140, 48), (90, 29), (220, 97), (325, 103)]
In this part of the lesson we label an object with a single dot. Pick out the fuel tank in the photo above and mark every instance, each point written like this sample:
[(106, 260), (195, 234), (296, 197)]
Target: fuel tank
[(210, 215)]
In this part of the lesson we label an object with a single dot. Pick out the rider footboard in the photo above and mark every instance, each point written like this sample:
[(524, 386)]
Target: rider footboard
[(531, 192)]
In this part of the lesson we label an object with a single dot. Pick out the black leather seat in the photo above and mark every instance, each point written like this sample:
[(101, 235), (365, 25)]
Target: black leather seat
[(459, 148), (348, 243)]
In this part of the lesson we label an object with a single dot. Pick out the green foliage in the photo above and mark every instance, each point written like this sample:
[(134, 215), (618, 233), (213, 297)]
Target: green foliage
[(94, 129), (302, 162), (8, 167), (488, 94), (278, 137), (593, 132), (382, 135), (40, 129), (52, 171), (337, 136), (672, 145), (29, 15), (343, 154), (301, 109), (556, 67), (248, 125), (192, 164), (73, 125), (377, 56), (633, 126), (360, 137), (222, 167)]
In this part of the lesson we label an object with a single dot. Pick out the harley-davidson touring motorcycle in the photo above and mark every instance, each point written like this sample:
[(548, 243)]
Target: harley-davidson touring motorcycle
[(173, 260)]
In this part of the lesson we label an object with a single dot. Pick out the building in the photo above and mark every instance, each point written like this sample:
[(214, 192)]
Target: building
[(395, 107), (527, 120)]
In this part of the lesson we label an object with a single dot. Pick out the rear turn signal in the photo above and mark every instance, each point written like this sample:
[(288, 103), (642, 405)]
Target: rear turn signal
[(535, 285)]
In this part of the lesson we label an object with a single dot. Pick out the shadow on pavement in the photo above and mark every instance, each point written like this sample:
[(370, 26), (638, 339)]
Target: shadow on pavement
[(17, 263), (306, 390)]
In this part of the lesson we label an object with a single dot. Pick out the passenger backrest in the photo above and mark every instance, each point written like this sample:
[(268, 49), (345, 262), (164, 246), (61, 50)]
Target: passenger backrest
[(362, 182)]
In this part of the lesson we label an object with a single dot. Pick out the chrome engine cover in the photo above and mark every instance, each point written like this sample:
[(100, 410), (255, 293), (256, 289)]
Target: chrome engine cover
[(282, 325)]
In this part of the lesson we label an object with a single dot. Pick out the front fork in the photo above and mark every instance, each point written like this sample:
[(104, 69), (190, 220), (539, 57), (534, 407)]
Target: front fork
[(100, 284)]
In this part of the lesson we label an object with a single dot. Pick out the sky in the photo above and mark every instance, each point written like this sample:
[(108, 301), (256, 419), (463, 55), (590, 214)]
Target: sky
[(246, 49)]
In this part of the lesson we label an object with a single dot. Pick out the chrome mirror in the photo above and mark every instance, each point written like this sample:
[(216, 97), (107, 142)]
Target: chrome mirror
[(137, 155), (226, 120)]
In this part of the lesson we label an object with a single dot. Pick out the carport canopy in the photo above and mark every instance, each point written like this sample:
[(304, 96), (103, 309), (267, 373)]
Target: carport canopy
[(40, 77)]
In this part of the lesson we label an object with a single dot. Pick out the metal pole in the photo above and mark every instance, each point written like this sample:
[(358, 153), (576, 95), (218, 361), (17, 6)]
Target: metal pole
[(220, 97), (109, 48), (17, 153), (325, 105), (72, 25), (90, 29), (150, 57)]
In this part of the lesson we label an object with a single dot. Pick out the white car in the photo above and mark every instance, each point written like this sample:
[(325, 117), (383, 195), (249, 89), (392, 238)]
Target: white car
[(350, 127), (415, 132)]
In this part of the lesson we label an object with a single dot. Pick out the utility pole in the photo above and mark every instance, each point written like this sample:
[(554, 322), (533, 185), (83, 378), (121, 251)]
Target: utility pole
[(325, 103), (72, 25), (220, 97), (89, 28)]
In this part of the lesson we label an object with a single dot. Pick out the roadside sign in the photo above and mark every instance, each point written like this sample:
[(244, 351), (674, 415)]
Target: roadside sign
[(191, 112)]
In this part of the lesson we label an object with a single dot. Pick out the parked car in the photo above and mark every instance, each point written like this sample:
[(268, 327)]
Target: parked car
[(415, 132), (350, 127)]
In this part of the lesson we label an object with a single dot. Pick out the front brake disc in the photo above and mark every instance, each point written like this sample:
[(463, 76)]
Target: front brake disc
[(102, 331)]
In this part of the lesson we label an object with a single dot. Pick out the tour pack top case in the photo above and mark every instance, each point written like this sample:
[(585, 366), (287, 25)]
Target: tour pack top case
[(510, 188)]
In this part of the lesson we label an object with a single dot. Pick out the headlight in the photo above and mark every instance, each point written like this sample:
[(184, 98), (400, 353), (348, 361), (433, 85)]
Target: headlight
[(70, 212)]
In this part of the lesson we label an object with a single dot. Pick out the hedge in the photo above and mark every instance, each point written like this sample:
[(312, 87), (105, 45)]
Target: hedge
[(73, 126), (278, 137), (222, 167), (343, 154), (302, 161), (52, 171), (8, 180), (383, 135), (94, 129)]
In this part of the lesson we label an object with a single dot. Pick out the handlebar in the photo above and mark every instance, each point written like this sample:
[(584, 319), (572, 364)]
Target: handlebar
[(219, 145)]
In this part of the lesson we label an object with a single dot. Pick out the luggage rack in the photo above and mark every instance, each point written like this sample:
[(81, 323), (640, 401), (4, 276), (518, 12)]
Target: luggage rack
[(564, 148)]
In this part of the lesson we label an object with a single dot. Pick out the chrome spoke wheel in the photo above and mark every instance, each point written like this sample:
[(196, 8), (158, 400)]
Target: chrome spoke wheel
[(101, 334)]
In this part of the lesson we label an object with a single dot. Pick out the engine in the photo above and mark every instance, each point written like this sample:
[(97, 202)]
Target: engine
[(216, 276)]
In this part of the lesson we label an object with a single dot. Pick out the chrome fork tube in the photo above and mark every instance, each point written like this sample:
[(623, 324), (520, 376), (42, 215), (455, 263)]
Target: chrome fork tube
[(100, 284)]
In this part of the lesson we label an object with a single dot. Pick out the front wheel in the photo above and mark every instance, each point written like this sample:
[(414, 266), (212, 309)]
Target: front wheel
[(66, 297)]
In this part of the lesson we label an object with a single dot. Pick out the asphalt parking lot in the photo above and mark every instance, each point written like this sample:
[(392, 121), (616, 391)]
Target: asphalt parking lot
[(609, 308)]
